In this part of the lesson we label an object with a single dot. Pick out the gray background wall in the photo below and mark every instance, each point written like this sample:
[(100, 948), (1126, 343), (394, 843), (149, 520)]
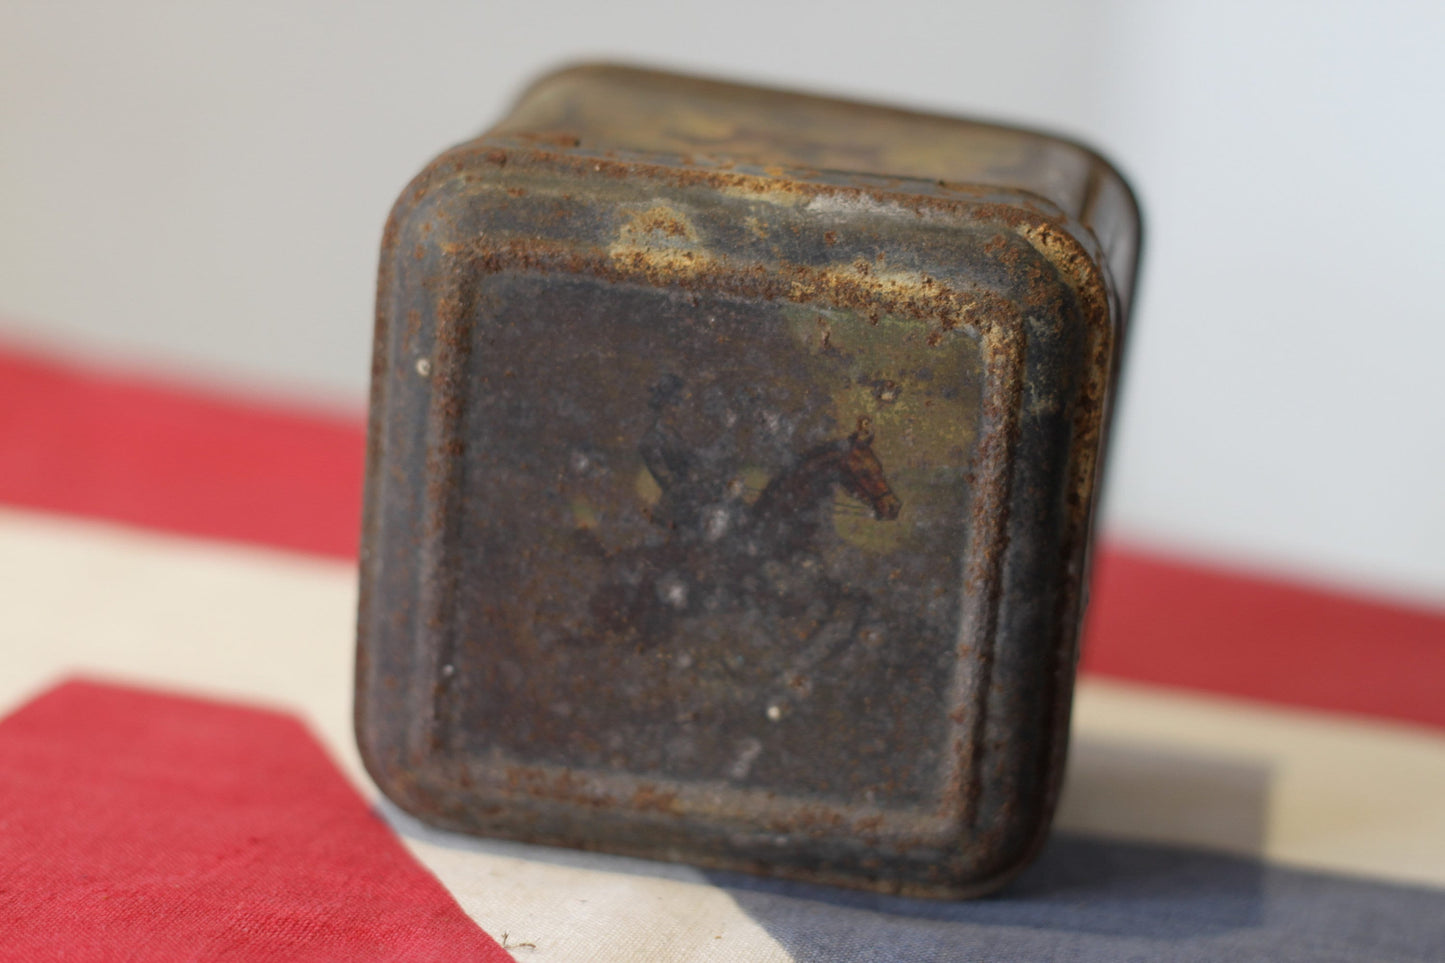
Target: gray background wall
[(198, 190)]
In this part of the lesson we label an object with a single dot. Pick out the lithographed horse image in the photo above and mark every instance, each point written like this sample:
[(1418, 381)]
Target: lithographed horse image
[(723, 557), (789, 514)]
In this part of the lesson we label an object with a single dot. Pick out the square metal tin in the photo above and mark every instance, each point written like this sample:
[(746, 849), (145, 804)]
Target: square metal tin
[(728, 509)]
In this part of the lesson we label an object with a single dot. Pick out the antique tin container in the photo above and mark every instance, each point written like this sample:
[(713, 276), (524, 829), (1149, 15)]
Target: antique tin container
[(732, 461)]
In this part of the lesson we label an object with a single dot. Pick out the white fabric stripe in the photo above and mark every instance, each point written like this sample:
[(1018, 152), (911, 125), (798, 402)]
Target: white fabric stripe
[(1321, 791), (1308, 789), (589, 907)]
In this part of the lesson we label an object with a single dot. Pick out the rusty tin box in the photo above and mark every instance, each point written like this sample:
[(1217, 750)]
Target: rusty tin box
[(732, 461)]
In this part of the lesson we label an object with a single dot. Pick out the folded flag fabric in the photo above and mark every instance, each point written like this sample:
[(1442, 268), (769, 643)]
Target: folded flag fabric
[(1302, 824), (138, 825), (144, 825)]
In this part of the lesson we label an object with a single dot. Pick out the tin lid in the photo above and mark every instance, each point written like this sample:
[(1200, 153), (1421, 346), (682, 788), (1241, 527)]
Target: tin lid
[(609, 108)]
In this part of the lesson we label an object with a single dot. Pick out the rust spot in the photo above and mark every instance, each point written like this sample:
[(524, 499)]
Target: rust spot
[(660, 220), (649, 797), (551, 138)]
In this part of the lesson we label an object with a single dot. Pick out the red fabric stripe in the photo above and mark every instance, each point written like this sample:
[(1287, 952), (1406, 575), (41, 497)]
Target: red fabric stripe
[(1257, 636), (141, 826), (181, 460)]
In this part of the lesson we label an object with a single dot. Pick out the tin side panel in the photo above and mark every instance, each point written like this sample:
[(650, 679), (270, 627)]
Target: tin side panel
[(710, 540)]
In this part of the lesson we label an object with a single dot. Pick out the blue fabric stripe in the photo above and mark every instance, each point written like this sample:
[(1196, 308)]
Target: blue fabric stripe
[(1089, 899)]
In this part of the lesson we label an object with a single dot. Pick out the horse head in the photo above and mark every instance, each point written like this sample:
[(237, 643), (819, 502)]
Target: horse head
[(860, 474)]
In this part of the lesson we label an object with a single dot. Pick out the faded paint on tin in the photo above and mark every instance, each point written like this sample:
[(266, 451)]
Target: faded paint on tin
[(762, 573)]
